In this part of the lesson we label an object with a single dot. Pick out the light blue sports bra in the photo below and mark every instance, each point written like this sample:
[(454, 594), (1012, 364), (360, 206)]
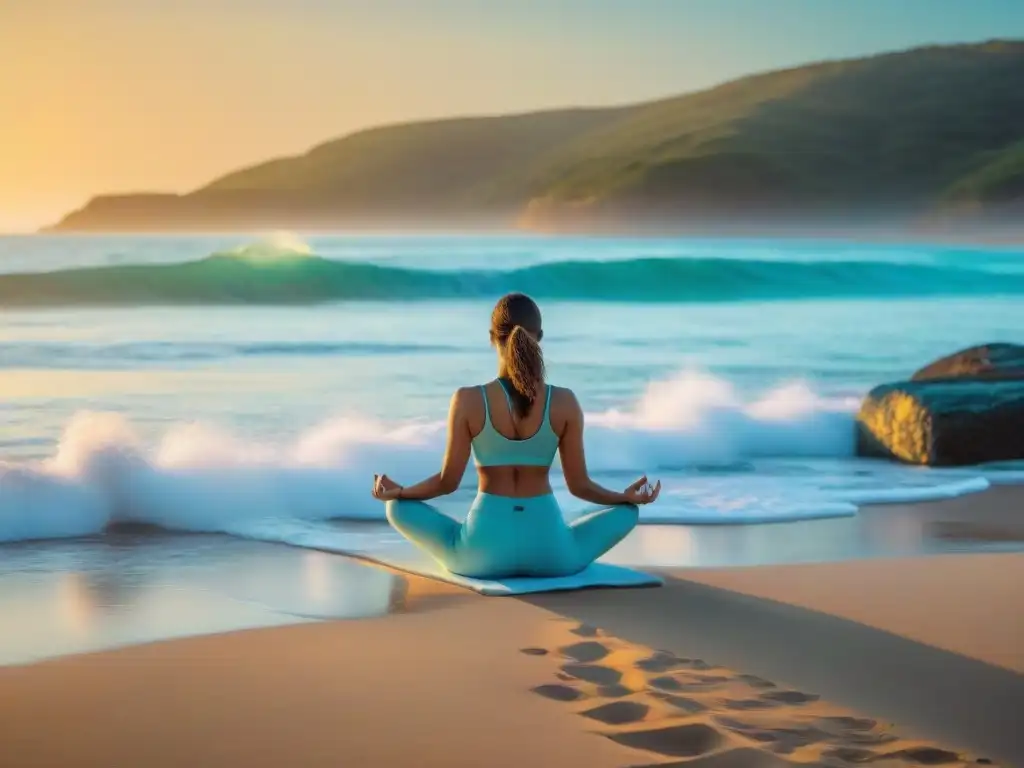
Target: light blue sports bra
[(493, 449)]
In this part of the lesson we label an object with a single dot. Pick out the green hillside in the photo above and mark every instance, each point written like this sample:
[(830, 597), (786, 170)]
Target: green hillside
[(923, 131), (453, 162)]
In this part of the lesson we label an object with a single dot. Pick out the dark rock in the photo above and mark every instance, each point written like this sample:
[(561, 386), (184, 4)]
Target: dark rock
[(987, 362), (967, 408)]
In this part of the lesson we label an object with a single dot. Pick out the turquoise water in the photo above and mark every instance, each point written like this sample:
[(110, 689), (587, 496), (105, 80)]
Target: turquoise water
[(230, 383)]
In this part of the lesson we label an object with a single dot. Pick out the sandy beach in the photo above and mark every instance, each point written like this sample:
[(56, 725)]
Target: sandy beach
[(331, 331), (906, 661)]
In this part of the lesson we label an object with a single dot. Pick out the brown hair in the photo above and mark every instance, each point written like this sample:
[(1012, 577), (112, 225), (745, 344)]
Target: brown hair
[(516, 331)]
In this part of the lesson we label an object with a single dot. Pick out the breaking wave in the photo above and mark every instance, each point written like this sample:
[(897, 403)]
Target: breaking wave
[(263, 275)]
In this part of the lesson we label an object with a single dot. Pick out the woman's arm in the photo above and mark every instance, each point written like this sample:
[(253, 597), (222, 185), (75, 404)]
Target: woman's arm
[(574, 461), (456, 456)]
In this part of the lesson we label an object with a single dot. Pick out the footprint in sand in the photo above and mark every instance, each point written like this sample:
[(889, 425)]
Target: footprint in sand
[(747, 705), (593, 673), (661, 661), (733, 724), (585, 652), (618, 712), (854, 731), (846, 737), (756, 682), (786, 740), (691, 684), (744, 757), (675, 741), (790, 697), (666, 684), (781, 740), (865, 739), (534, 651), (616, 691), (845, 724), (923, 756), (712, 679), (853, 755), (850, 735), (690, 706), (558, 692)]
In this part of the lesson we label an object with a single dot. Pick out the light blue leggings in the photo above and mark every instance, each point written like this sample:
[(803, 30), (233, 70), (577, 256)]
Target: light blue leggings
[(504, 537)]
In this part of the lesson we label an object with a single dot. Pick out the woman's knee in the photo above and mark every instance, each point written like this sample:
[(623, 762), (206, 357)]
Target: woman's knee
[(599, 531), (621, 517), (410, 517), (394, 510), (626, 516)]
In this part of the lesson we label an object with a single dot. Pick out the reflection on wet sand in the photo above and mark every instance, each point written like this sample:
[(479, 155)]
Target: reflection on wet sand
[(969, 523), (164, 587)]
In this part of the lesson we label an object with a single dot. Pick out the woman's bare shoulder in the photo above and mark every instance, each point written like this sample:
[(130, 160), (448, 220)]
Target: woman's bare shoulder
[(469, 394), (563, 397)]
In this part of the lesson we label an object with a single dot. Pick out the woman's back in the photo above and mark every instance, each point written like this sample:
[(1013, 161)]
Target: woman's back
[(514, 454)]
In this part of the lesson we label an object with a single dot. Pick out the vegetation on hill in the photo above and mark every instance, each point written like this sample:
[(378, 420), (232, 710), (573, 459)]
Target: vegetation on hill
[(926, 130)]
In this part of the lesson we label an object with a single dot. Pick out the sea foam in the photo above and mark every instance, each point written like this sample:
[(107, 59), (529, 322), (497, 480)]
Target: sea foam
[(696, 432)]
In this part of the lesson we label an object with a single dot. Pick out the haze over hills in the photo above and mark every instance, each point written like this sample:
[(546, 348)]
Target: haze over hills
[(922, 137)]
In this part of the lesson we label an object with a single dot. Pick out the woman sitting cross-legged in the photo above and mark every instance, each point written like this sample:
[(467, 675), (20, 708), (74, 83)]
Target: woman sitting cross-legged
[(514, 425)]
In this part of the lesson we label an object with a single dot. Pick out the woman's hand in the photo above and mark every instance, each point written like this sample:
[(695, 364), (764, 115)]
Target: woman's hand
[(641, 492), (384, 488)]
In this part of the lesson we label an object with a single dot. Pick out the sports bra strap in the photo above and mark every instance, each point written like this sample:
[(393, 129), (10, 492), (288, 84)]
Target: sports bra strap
[(487, 408), (508, 397)]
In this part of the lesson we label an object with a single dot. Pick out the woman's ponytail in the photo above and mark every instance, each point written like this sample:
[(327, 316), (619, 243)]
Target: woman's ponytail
[(524, 364), (516, 331)]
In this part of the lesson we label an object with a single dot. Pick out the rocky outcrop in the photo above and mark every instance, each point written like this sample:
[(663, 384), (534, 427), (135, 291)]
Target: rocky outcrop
[(967, 408), (988, 362)]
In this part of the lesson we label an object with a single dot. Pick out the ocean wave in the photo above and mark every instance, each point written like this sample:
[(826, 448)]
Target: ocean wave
[(267, 275), (202, 479)]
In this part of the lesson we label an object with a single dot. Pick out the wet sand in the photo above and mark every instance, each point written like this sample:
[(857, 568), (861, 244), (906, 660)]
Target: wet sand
[(992, 521), (66, 597)]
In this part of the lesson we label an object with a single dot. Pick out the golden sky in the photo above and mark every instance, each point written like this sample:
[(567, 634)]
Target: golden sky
[(126, 95)]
